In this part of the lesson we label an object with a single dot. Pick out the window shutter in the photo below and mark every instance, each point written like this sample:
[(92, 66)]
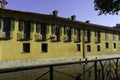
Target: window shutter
[(53, 29), (65, 30), (85, 33), (47, 29), (1, 23), (21, 25), (72, 31), (75, 31), (12, 25), (61, 30), (38, 27), (32, 27)]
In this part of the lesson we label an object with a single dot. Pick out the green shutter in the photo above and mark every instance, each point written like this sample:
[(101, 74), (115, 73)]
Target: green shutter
[(71, 30), (47, 28), (21, 25), (12, 25), (75, 31), (32, 27), (53, 29), (38, 27), (65, 30), (1, 21), (60, 30)]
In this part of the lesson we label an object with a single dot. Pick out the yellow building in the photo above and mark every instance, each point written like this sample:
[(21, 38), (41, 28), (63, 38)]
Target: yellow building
[(48, 39), (28, 39)]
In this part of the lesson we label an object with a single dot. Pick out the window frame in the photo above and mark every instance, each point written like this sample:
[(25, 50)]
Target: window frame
[(106, 45), (98, 48), (78, 47), (26, 46), (88, 48), (44, 47)]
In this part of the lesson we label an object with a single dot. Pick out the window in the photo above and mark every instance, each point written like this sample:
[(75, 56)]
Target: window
[(27, 27), (21, 25), (107, 45), (114, 36), (87, 35), (97, 36), (38, 27), (68, 32), (26, 47), (44, 47), (77, 34), (98, 48), (44, 30), (106, 36), (56, 30), (114, 45), (78, 47), (27, 30), (6, 25), (119, 36), (88, 48)]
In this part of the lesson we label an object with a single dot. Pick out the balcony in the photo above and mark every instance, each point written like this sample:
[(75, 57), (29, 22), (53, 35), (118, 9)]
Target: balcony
[(6, 35), (66, 38), (76, 39), (87, 40), (53, 38), (97, 40), (39, 37), (24, 37)]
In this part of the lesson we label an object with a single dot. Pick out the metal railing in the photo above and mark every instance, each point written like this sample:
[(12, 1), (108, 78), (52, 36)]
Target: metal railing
[(109, 69)]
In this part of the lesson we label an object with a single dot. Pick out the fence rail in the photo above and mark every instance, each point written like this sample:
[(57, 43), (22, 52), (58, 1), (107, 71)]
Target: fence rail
[(109, 69)]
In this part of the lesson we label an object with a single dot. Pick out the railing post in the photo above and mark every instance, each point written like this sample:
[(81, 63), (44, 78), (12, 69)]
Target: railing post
[(51, 73), (102, 70), (95, 67), (117, 69)]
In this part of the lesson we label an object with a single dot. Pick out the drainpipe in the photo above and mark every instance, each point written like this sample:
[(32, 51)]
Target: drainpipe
[(83, 43)]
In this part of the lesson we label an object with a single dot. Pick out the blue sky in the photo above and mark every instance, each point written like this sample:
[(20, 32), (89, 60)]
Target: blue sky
[(83, 9)]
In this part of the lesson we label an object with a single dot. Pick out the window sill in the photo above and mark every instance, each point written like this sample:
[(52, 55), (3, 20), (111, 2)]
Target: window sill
[(39, 40), (5, 38), (24, 39), (43, 52), (25, 52)]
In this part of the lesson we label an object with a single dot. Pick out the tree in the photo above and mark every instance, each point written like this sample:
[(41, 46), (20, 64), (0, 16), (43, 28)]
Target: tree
[(107, 6)]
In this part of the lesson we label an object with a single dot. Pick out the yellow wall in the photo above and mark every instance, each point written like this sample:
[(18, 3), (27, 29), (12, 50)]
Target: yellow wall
[(12, 49)]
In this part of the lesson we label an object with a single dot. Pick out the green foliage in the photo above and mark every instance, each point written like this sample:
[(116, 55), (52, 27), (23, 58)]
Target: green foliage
[(107, 6)]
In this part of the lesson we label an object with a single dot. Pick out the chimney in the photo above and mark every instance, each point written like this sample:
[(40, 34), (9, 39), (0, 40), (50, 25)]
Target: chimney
[(88, 21), (73, 17), (117, 25), (55, 13), (3, 3)]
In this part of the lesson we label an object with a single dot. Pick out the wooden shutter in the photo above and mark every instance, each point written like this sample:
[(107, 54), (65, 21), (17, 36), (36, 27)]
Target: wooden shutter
[(32, 27), (65, 30), (53, 29), (1, 23), (38, 27), (12, 25), (61, 30), (47, 28), (75, 31), (21, 25)]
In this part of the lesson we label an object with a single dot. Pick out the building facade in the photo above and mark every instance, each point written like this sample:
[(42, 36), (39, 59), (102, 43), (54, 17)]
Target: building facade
[(32, 38)]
